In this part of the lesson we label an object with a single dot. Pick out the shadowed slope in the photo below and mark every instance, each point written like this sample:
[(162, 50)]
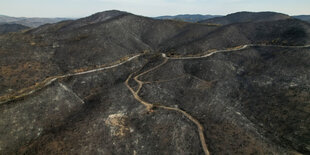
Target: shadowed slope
[(241, 17), (282, 32), (7, 28)]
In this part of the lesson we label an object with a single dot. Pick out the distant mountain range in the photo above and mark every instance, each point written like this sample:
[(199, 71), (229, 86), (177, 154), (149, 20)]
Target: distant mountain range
[(188, 17), (214, 19), (29, 22), (303, 17), (233, 18), (241, 17)]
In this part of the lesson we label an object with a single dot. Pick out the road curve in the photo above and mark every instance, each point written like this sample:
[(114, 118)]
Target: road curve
[(149, 106), (238, 48), (30, 90), (50, 80)]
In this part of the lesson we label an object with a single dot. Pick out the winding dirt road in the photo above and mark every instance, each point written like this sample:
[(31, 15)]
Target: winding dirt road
[(30, 90), (238, 48), (149, 106)]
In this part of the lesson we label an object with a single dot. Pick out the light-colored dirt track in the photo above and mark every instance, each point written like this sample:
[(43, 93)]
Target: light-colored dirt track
[(150, 106)]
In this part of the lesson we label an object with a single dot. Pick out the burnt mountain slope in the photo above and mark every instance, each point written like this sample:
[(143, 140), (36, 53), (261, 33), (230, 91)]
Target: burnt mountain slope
[(7, 28), (244, 102), (291, 32), (241, 17), (99, 39), (117, 83)]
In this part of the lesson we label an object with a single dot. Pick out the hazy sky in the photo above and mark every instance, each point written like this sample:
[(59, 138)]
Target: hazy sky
[(80, 8)]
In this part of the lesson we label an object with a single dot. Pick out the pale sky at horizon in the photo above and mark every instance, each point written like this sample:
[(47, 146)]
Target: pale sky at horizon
[(81, 8)]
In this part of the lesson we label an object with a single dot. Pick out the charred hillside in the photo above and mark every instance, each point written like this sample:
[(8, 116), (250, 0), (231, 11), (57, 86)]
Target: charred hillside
[(289, 32), (118, 83), (242, 17), (89, 42), (7, 28)]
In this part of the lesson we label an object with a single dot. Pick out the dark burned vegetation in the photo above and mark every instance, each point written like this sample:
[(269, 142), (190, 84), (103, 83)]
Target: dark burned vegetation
[(246, 82)]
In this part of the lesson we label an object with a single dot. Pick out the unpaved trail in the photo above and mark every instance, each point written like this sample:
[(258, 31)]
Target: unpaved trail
[(32, 89), (150, 106), (238, 48), (206, 55), (50, 80)]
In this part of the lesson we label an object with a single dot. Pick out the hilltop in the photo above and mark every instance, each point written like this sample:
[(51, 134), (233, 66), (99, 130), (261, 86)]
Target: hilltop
[(241, 17)]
